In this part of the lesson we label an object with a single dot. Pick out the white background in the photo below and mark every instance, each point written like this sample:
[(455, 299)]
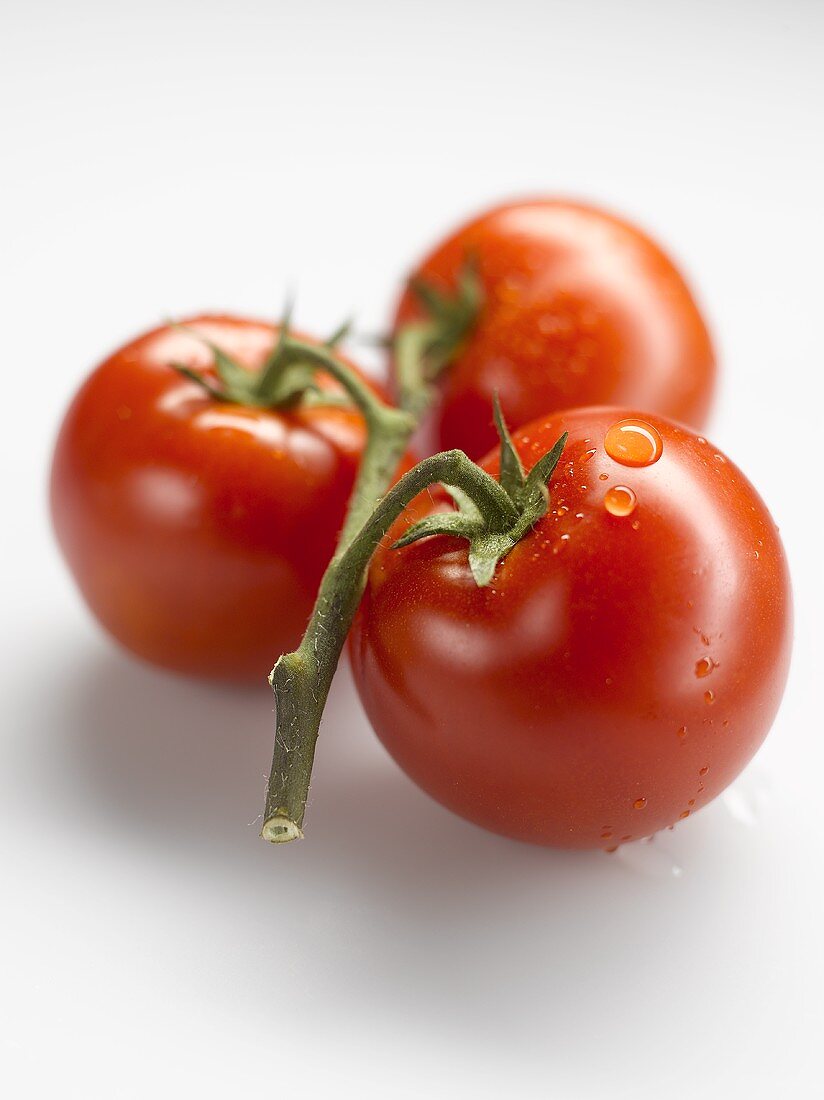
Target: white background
[(161, 157)]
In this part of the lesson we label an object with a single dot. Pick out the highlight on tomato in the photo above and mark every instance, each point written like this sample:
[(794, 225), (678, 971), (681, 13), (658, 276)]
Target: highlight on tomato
[(615, 670), (199, 484), (575, 307)]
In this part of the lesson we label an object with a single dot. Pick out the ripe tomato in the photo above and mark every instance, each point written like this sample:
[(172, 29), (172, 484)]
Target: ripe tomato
[(580, 308), (625, 662), (198, 530)]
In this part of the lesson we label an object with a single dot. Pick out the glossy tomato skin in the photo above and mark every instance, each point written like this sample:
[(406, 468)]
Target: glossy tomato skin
[(581, 308), (198, 530), (619, 671)]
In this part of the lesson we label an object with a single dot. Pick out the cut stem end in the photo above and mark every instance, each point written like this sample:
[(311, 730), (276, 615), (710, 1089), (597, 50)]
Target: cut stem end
[(279, 830)]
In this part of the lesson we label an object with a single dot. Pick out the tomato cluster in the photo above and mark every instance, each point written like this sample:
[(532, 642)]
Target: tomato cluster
[(578, 659)]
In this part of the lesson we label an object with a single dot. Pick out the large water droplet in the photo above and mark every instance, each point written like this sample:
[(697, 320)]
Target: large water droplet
[(620, 500), (704, 666), (634, 443)]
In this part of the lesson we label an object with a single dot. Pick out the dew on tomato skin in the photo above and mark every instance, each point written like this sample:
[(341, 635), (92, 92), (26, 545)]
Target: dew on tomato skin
[(603, 477), (709, 697), (620, 500), (633, 443), (639, 804), (636, 523), (691, 802), (587, 455), (683, 814), (704, 666), (703, 771), (682, 732)]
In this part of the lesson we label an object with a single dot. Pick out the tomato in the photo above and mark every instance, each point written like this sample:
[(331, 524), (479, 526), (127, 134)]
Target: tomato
[(625, 662), (198, 530), (580, 308)]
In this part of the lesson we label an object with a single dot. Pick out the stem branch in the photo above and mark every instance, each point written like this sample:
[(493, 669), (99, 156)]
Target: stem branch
[(301, 680)]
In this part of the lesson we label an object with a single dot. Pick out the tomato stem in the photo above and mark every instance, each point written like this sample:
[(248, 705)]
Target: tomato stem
[(301, 680)]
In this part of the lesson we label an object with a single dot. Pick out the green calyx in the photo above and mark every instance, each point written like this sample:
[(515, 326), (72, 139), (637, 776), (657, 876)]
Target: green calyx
[(509, 511), (423, 349), (288, 375)]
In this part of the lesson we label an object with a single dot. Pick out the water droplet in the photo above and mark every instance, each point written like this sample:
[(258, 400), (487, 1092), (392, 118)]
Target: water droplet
[(709, 697), (603, 477), (683, 814), (704, 666), (579, 515), (619, 500), (633, 443), (701, 439), (682, 732), (639, 804), (587, 455), (691, 802), (636, 523), (704, 770)]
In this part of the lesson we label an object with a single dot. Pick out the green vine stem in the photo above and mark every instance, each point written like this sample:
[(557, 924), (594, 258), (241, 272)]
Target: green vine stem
[(301, 680), (491, 515)]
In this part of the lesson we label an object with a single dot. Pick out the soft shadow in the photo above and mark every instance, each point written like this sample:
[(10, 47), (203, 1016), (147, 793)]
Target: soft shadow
[(389, 898)]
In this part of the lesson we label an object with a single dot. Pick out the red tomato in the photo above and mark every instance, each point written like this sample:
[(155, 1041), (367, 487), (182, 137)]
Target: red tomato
[(198, 530), (580, 308), (625, 662)]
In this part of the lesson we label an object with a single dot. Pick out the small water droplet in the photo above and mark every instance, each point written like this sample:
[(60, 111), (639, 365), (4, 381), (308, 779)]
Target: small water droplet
[(633, 443), (683, 814), (709, 697), (704, 666), (603, 477), (682, 732), (579, 515), (636, 523), (587, 455), (701, 439), (704, 770), (620, 500), (639, 804)]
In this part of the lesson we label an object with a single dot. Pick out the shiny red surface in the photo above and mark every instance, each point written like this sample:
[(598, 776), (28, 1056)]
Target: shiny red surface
[(618, 672), (581, 309), (197, 530)]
